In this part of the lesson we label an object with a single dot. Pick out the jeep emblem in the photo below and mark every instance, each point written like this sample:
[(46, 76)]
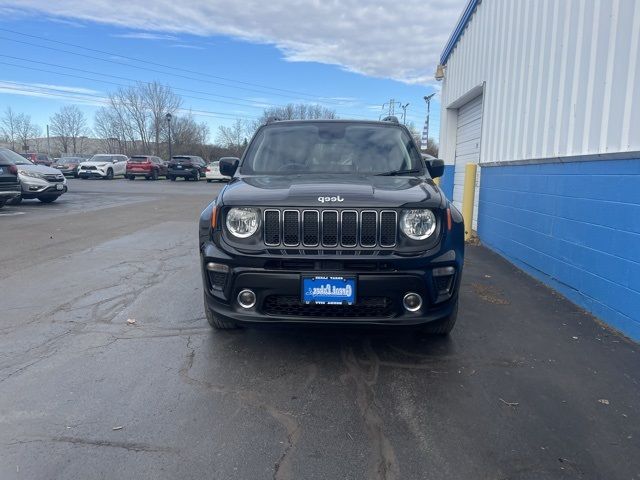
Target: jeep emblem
[(331, 199)]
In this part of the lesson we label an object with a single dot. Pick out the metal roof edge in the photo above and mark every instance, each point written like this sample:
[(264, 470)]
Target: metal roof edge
[(457, 32)]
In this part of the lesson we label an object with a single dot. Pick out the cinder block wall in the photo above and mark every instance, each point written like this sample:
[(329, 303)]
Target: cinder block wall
[(573, 225)]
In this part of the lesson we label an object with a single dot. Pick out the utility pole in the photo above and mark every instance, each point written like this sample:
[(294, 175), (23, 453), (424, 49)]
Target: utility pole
[(48, 142), (425, 131), (390, 107)]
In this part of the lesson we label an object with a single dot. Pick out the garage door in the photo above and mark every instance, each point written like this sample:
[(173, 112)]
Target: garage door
[(467, 150)]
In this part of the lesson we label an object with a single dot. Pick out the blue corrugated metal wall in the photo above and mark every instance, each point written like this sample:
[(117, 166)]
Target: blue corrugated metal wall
[(574, 226)]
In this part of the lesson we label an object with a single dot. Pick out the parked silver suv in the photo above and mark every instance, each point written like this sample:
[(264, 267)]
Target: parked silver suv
[(38, 181)]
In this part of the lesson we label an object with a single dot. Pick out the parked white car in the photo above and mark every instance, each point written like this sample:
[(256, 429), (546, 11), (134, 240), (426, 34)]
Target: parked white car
[(103, 166), (213, 172)]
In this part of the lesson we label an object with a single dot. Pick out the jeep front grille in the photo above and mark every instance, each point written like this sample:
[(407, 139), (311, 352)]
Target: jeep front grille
[(330, 228)]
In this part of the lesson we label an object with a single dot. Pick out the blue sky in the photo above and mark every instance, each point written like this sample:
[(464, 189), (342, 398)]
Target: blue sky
[(294, 53)]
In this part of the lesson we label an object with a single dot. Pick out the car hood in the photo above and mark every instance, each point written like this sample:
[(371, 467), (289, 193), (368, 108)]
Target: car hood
[(39, 168), (333, 191), (93, 164)]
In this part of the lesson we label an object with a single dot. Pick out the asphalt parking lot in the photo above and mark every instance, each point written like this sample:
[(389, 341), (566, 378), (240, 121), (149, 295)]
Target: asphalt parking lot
[(526, 387)]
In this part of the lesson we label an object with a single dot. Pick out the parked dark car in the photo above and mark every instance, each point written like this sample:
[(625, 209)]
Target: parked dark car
[(189, 167), (38, 158), (68, 165), (9, 183), (332, 222), (146, 166)]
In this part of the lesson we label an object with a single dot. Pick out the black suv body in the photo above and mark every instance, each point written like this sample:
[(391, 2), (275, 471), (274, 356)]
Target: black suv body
[(332, 222), (189, 167), (9, 183)]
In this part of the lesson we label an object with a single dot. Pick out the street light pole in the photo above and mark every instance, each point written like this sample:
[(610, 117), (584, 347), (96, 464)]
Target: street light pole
[(404, 113), (168, 117), (426, 125)]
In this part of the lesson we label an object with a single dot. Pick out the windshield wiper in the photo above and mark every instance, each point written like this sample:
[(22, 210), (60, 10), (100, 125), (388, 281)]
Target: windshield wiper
[(397, 172)]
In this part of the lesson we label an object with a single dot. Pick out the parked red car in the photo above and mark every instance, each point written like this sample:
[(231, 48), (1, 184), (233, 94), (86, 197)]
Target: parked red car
[(38, 158), (146, 166)]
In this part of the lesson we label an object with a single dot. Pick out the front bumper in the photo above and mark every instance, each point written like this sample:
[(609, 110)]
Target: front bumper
[(381, 286), (7, 192), (36, 187), (91, 173)]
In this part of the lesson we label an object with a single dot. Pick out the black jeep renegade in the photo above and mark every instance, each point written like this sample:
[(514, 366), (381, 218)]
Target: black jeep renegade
[(332, 222)]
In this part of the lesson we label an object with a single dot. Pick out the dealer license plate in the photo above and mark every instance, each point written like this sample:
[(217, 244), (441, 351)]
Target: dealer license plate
[(329, 290)]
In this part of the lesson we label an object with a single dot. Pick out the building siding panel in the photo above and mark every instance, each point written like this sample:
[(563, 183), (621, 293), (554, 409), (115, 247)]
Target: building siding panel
[(580, 94), (557, 221)]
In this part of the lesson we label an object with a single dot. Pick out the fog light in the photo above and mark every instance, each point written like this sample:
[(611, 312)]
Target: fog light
[(443, 271), (412, 302), (218, 267), (246, 298)]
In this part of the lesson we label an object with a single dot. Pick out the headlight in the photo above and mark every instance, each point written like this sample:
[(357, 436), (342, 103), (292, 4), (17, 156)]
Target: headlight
[(418, 224), (243, 222), (28, 173)]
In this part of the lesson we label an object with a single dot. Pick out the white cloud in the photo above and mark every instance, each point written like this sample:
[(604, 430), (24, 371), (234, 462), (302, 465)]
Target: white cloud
[(145, 36), (184, 45), (401, 40), (79, 95)]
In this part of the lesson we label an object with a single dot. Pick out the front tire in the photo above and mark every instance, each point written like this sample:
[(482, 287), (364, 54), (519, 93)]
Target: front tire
[(109, 174), (209, 181), (443, 327), (172, 178), (154, 175), (131, 177), (216, 322), (15, 201)]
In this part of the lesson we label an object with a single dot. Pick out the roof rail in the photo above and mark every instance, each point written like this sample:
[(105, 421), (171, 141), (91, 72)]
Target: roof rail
[(273, 119), (391, 118)]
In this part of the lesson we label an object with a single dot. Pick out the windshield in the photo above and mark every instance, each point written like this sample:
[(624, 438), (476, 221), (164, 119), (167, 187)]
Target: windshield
[(331, 148), (100, 158), (12, 157)]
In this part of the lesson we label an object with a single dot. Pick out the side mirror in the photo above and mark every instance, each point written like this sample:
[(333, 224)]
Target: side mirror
[(228, 166), (435, 167)]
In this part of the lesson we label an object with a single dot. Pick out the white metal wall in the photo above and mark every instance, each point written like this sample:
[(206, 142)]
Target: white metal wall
[(469, 128), (560, 77)]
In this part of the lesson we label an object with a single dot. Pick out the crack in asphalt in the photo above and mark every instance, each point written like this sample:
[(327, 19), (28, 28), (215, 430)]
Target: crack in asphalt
[(282, 467), (384, 464), (104, 310), (129, 446)]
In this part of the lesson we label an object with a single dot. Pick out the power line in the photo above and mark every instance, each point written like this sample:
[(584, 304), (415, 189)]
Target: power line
[(148, 62), (28, 60), (84, 97)]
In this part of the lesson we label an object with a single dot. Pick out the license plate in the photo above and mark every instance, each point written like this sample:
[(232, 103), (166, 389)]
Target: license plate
[(329, 290), (179, 166), (58, 187)]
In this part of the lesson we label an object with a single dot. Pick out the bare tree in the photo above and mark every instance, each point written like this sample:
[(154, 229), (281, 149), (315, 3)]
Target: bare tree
[(130, 107), (235, 136), (69, 124), (188, 136), (295, 111), (25, 130), (159, 100), (9, 126)]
